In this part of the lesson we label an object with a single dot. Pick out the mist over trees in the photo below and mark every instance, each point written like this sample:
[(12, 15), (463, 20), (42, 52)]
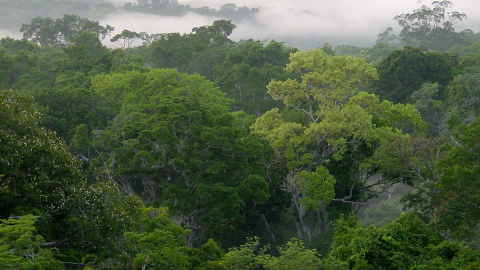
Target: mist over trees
[(195, 151), (174, 8), (16, 13)]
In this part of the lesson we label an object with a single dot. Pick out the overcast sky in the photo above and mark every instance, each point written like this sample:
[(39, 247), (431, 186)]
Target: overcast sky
[(298, 21)]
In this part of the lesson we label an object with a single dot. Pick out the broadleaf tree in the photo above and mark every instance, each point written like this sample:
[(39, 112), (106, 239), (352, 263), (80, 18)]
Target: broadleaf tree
[(174, 142), (37, 170), (333, 151), (433, 27), (48, 31)]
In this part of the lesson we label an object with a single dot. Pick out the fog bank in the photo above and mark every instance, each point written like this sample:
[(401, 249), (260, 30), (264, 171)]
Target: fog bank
[(301, 23)]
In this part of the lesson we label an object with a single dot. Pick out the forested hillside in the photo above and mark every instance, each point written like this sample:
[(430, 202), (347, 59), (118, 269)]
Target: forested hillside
[(195, 151)]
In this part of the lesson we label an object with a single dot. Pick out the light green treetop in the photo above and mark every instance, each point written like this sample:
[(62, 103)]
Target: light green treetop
[(344, 138), (22, 248), (325, 80)]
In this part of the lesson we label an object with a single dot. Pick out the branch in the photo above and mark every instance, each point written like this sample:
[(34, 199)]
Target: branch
[(144, 266), (350, 202), (380, 182), (85, 158), (73, 263)]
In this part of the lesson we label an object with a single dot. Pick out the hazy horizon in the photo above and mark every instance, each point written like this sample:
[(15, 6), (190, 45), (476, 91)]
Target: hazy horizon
[(301, 23), (296, 22)]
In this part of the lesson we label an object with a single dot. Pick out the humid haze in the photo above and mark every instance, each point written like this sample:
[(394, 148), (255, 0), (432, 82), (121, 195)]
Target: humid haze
[(304, 24), (281, 135)]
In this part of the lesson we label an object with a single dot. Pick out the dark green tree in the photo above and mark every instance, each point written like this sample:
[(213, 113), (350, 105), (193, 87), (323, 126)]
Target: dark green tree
[(37, 170), (464, 99), (171, 51), (94, 223), (7, 69), (13, 46), (60, 83), (459, 181), (128, 60), (405, 70), (247, 69), (59, 80), (431, 108), (87, 54), (175, 143), (197, 52), (210, 44), (19, 59), (41, 70)]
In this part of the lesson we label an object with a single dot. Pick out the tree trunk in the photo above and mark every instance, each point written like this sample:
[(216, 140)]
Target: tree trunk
[(310, 223), (269, 229)]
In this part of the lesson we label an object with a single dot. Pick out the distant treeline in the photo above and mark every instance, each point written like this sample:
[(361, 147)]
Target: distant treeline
[(14, 13), (174, 8)]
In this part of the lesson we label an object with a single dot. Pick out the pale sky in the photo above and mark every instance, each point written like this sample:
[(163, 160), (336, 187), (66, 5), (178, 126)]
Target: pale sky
[(317, 21)]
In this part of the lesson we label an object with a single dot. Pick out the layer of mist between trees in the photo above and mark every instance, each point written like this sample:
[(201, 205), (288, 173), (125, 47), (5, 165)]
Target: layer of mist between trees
[(338, 22), (194, 151)]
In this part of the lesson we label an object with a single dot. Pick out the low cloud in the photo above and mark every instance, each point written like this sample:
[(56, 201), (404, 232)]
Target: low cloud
[(10, 33), (140, 22), (300, 23), (153, 24)]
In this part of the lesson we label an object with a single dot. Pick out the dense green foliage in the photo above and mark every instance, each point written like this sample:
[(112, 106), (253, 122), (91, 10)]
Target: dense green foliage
[(173, 136), (197, 52), (38, 171), (193, 151), (406, 243), (21, 247), (404, 71), (247, 69)]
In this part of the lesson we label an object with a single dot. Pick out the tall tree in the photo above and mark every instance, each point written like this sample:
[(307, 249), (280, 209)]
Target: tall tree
[(175, 142), (342, 138), (432, 26), (60, 31), (126, 38)]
